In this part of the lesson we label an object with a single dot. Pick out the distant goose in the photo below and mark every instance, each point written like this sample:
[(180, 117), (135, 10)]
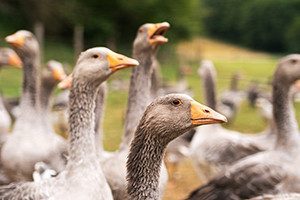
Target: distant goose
[(212, 153), (231, 100), (273, 171), (10, 58), (30, 141), (83, 177), (148, 39), (179, 114), (7, 58)]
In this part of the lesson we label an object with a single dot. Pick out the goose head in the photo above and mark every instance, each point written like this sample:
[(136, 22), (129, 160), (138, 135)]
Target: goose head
[(9, 57), (24, 43), (56, 69), (288, 69), (150, 35), (174, 114), (205, 67), (95, 65)]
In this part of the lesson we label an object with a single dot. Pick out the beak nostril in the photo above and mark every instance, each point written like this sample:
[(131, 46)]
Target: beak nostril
[(205, 110)]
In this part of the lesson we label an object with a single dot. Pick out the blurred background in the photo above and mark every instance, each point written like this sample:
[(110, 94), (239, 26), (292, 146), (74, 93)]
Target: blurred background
[(239, 36)]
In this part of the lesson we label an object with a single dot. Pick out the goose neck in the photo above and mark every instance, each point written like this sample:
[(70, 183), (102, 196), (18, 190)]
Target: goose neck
[(139, 95), (47, 88), (81, 122), (144, 162), (284, 115), (31, 83), (210, 89), (99, 115)]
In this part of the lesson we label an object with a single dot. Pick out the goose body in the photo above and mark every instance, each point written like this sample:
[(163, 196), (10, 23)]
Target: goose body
[(83, 177), (148, 38), (272, 171)]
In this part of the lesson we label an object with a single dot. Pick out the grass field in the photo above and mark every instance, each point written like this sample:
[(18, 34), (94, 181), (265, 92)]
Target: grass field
[(228, 59)]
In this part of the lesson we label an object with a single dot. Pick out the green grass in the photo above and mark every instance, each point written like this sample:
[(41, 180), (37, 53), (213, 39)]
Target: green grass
[(258, 68)]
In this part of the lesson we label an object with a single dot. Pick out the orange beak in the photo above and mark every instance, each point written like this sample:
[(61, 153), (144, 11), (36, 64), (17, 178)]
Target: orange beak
[(14, 60), (201, 114), (15, 40), (66, 83), (156, 32), (117, 61)]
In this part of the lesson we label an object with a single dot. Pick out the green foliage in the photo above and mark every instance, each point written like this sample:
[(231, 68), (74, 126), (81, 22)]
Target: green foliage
[(259, 24), (113, 21), (293, 36)]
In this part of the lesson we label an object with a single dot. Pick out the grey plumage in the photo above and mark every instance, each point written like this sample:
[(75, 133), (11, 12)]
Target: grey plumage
[(272, 171)]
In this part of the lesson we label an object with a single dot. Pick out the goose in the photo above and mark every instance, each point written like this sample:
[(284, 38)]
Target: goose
[(230, 100), (30, 141), (50, 78), (211, 153), (149, 37), (7, 57), (83, 177), (10, 58), (165, 119), (272, 171)]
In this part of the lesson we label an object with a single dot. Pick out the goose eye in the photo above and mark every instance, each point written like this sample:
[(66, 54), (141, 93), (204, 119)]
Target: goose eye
[(176, 102), (95, 56), (293, 61), (140, 30)]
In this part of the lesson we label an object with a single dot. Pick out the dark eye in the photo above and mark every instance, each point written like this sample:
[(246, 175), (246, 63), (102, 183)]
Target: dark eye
[(95, 56), (293, 61), (140, 30), (176, 102)]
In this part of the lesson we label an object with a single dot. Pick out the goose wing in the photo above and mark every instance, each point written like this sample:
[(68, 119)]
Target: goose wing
[(230, 151), (243, 180)]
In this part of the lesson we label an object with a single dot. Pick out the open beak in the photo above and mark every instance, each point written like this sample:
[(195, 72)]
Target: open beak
[(14, 60), (15, 40), (201, 114), (156, 33), (66, 83), (118, 61)]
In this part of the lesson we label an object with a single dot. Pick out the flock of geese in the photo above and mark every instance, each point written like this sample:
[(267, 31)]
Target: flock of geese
[(37, 164)]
